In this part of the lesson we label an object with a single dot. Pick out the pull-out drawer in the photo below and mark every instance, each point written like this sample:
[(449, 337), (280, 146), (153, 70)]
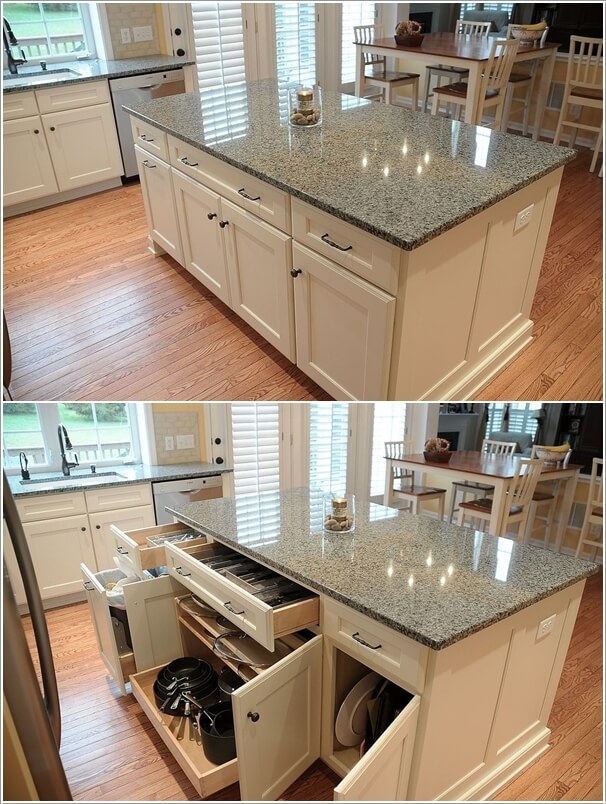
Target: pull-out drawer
[(241, 603), (382, 649), (255, 195), (150, 138), (362, 253), (144, 548)]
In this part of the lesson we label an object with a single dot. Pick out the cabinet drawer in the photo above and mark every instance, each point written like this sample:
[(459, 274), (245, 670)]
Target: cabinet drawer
[(50, 506), (149, 138), (98, 500), (362, 253), (250, 193), (137, 553), (73, 96), (257, 619), (19, 104), (401, 659)]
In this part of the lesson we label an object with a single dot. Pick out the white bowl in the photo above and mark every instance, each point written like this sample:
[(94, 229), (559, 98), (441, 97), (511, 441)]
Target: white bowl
[(525, 35)]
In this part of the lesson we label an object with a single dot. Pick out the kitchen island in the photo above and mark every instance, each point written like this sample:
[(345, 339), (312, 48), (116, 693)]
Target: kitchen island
[(476, 628), (391, 255)]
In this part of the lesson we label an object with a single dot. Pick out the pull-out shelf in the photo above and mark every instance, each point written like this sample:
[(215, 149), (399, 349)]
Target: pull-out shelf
[(137, 553)]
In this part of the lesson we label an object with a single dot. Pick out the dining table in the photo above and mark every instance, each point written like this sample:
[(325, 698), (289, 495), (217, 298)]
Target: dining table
[(496, 471), (468, 52)]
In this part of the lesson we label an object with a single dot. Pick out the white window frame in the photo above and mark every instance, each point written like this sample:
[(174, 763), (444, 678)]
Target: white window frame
[(89, 39)]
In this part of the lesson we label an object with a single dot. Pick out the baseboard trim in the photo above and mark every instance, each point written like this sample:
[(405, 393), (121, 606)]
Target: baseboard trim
[(60, 198)]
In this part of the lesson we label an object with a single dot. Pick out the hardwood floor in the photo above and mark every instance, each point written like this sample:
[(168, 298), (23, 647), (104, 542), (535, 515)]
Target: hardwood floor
[(111, 752), (93, 315)]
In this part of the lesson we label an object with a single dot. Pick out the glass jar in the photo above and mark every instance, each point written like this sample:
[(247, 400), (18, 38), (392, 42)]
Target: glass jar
[(339, 512), (304, 106)]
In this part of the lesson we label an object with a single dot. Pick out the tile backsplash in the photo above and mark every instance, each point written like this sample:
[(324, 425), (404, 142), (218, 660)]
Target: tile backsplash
[(173, 424), (132, 15)]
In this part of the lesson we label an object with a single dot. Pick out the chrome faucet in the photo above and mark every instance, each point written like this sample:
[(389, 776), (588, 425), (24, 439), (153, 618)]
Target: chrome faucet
[(9, 40), (66, 444)]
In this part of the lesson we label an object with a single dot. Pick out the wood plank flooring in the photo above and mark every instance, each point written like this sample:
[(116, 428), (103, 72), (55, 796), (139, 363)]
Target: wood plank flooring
[(93, 315), (112, 753)]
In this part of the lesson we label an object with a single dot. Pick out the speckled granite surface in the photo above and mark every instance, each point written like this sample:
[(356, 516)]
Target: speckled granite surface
[(434, 582), (127, 474), (92, 69), (403, 176)]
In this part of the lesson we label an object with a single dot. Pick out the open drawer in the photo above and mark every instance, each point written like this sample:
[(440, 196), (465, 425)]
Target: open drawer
[(276, 715), (143, 548), (238, 601)]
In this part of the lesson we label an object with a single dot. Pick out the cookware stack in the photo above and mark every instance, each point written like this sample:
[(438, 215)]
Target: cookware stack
[(187, 675)]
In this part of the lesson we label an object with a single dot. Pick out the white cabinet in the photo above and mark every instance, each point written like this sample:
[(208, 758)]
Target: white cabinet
[(126, 519), (159, 203), (84, 145), (27, 169), (10, 560)]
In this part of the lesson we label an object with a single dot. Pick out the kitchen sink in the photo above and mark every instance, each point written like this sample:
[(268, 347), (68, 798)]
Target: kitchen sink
[(40, 76), (88, 478)]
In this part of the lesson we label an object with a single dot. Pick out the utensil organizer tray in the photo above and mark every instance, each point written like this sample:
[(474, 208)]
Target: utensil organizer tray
[(136, 553)]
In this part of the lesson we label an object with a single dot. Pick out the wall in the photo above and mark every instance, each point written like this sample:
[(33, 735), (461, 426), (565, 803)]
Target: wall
[(127, 15), (179, 418)]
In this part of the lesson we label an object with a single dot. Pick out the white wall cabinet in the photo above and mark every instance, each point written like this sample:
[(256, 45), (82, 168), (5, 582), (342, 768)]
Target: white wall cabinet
[(159, 203), (27, 169)]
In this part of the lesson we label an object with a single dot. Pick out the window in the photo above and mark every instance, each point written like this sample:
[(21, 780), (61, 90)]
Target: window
[(100, 433), (389, 424), (329, 434), (352, 14), (513, 417), (255, 437), (50, 31), (295, 25), (508, 7)]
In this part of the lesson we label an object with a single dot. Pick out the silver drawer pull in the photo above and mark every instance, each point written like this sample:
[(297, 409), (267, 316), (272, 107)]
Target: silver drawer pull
[(186, 162), (244, 194), (121, 550), (181, 572), (88, 586), (145, 138), (229, 607), (366, 644), (326, 239), (147, 165)]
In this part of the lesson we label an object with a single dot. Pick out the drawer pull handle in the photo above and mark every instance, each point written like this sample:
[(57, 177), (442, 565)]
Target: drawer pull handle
[(244, 194), (366, 644), (326, 239), (229, 607), (294, 272), (254, 716), (211, 215), (88, 586), (181, 572), (145, 138), (147, 165), (121, 550), (186, 162), (223, 224)]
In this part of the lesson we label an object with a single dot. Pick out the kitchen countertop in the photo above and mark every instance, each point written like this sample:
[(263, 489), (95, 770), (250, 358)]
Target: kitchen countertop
[(436, 583), (129, 473), (93, 69), (403, 176)]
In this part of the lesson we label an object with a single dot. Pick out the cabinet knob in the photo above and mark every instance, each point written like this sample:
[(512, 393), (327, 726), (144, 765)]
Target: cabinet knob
[(98, 527), (52, 128), (83, 529), (254, 716), (36, 131), (294, 272), (180, 52), (223, 224), (177, 31), (211, 215)]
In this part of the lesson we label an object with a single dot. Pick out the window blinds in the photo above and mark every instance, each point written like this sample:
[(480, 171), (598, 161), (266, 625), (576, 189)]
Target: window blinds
[(328, 446), (352, 14), (295, 25), (256, 447), (389, 424), (512, 417)]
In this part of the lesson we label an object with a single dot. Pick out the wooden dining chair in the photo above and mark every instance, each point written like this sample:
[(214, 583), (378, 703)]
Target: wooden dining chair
[(583, 89), (439, 71), (376, 73), (489, 447), (493, 87), (400, 483), (594, 511), (544, 499), (519, 497), (523, 82)]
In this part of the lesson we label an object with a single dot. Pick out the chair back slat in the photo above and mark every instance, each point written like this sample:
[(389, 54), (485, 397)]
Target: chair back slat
[(491, 447), (596, 484), (584, 68), (368, 34), (472, 28), (398, 449), (524, 482), (500, 62)]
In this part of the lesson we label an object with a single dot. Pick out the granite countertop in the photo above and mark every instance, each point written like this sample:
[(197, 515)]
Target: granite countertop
[(403, 176), (128, 473), (92, 70), (436, 583)]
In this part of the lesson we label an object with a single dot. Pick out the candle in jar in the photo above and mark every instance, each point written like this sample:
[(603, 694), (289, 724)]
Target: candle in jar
[(305, 100)]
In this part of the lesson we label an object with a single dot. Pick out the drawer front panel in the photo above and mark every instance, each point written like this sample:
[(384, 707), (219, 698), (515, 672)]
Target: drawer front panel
[(362, 253), (248, 192), (399, 658), (20, 104), (50, 506), (149, 138), (73, 96), (118, 497), (136, 554)]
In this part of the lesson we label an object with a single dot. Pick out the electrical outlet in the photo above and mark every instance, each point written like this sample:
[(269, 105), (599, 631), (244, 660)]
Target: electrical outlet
[(169, 443), (523, 218), (142, 33), (546, 627), (125, 36), (185, 442)]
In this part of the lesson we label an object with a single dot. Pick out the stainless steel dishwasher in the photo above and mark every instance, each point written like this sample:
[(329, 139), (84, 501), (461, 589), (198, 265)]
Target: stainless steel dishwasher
[(134, 89)]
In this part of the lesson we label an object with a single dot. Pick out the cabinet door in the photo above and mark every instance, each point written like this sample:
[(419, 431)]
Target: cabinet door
[(96, 597), (277, 723), (382, 773), (58, 547), (152, 620), (126, 519), (159, 203), (199, 212), (27, 170), (258, 265), (83, 145), (344, 328)]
